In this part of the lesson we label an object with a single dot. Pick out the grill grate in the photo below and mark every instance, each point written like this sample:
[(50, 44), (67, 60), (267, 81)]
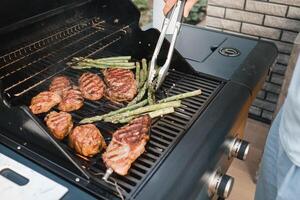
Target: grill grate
[(28, 70), (165, 132)]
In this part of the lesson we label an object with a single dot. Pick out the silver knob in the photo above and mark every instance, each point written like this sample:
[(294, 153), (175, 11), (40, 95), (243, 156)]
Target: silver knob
[(238, 148), (221, 185)]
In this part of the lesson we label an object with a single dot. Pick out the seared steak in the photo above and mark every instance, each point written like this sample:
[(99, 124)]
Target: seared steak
[(59, 84), (86, 140), (71, 100), (44, 101), (121, 85), (60, 124), (127, 144), (91, 86)]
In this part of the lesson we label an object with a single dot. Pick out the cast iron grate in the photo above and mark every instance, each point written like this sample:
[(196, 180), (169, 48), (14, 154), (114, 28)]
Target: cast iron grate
[(27, 71)]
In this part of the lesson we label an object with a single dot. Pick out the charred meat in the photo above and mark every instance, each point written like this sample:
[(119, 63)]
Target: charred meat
[(121, 85), (44, 101), (91, 86), (127, 144), (59, 123), (71, 100), (60, 84), (86, 140)]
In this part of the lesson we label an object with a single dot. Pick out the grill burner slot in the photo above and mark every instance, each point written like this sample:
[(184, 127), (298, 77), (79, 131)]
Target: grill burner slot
[(28, 70)]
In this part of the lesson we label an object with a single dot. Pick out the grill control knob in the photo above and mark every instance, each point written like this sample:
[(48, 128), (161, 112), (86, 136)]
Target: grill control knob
[(221, 185), (238, 148)]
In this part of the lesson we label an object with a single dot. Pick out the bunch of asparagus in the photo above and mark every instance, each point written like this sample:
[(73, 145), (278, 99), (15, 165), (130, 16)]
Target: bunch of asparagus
[(122, 62), (162, 107), (144, 102)]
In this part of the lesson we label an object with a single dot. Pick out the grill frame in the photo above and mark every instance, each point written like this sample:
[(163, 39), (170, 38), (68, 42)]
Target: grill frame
[(19, 123), (21, 96)]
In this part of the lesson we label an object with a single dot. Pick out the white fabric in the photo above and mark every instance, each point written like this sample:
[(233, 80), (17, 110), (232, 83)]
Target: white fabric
[(289, 129)]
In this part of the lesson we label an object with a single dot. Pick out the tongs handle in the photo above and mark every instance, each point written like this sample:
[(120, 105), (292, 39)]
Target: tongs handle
[(179, 17), (181, 4)]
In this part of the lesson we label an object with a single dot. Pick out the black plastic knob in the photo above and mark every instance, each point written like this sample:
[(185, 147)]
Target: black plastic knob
[(238, 148), (243, 150), (220, 185), (225, 186)]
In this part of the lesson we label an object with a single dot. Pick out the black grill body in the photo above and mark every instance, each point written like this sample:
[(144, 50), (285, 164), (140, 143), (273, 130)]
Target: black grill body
[(37, 40)]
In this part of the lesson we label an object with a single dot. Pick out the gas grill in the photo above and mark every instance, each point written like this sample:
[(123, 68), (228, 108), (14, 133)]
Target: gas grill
[(189, 151)]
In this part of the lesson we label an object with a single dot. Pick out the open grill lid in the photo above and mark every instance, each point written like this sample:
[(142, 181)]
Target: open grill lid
[(24, 21)]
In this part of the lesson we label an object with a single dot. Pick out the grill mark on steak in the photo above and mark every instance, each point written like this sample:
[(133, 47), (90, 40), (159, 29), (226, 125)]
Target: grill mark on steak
[(121, 85), (44, 101), (59, 84), (87, 140), (91, 86), (127, 144), (71, 100), (59, 123)]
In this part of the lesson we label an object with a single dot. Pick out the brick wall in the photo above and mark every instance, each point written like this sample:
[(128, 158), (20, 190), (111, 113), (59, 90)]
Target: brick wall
[(272, 20)]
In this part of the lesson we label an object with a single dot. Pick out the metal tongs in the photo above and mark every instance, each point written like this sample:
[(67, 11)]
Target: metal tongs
[(162, 73)]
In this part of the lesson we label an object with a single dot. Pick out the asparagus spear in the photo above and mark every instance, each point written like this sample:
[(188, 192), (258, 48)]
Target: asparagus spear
[(90, 62), (142, 78), (115, 58), (125, 120), (101, 117), (151, 94), (139, 96), (152, 115), (88, 66), (113, 61), (181, 96), (143, 110), (143, 73), (137, 73), (109, 59), (161, 112)]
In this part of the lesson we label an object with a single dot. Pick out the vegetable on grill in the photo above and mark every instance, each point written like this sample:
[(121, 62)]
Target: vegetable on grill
[(101, 117), (143, 103), (143, 110), (140, 95), (181, 96), (143, 73), (151, 95), (152, 115), (102, 63), (137, 74), (114, 58)]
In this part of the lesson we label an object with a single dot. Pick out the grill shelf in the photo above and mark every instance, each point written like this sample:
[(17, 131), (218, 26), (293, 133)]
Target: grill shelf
[(28, 71)]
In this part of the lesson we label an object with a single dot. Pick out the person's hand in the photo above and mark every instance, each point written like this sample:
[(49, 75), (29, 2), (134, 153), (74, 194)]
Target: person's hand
[(188, 6)]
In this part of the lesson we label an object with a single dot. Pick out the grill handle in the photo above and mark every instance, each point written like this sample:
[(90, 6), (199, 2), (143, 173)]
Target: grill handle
[(3, 96)]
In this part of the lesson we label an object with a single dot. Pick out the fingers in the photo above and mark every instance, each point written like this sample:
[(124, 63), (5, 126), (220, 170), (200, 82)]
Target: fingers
[(168, 6), (188, 6)]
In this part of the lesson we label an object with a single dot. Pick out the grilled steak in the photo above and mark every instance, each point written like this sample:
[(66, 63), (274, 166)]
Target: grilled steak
[(59, 84), (44, 101), (91, 86), (71, 100), (121, 85), (86, 140), (60, 124), (127, 144)]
